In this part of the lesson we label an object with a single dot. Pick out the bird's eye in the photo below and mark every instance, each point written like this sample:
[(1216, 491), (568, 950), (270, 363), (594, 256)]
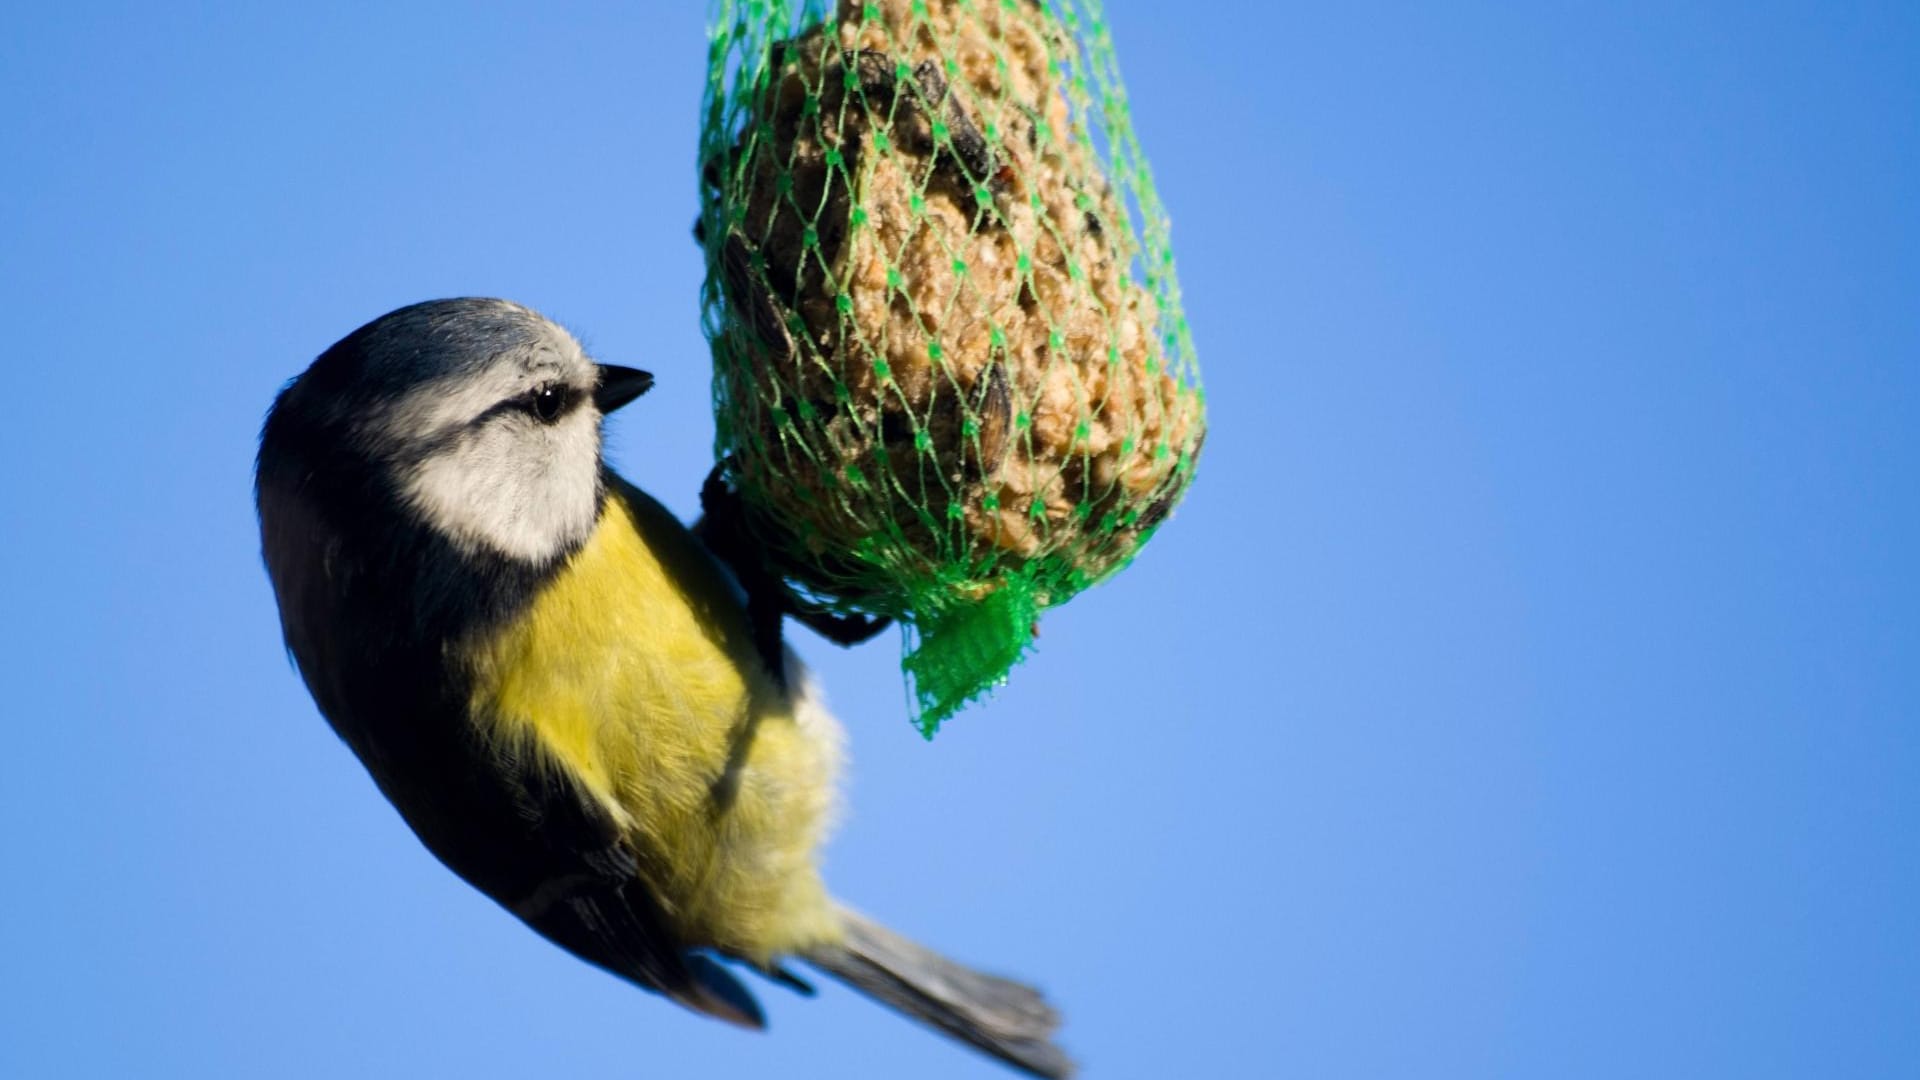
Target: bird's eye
[(547, 403)]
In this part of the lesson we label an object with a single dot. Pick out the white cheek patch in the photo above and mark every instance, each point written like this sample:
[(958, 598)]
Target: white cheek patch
[(512, 486)]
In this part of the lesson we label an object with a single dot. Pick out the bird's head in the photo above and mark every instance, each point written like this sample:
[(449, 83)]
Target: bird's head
[(480, 417)]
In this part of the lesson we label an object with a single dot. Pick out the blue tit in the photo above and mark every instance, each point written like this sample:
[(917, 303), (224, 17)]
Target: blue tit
[(558, 685)]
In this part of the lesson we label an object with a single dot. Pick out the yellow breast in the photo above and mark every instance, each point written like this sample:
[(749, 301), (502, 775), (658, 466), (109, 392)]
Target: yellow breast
[(634, 671)]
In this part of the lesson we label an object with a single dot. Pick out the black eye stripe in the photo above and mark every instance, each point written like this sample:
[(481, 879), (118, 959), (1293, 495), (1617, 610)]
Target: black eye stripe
[(547, 403)]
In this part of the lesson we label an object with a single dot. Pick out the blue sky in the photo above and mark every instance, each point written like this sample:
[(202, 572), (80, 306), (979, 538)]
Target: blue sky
[(1527, 687)]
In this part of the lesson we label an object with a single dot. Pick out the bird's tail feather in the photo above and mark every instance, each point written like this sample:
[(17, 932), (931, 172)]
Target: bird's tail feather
[(1000, 1017)]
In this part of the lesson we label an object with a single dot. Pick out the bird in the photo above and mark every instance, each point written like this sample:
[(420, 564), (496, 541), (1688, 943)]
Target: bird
[(558, 684)]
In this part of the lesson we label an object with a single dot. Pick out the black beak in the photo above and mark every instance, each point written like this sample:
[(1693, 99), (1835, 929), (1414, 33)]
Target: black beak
[(619, 385)]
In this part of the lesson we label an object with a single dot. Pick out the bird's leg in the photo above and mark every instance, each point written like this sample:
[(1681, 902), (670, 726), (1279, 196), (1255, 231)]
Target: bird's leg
[(764, 612), (768, 600), (724, 531), (843, 630)]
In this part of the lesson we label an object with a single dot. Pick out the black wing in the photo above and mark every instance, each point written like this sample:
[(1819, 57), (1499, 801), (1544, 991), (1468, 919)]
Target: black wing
[(515, 827)]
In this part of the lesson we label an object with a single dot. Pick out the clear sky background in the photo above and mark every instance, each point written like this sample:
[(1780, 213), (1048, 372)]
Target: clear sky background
[(1527, 688)]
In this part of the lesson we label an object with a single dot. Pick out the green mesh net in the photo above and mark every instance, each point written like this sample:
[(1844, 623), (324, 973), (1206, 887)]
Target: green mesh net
[(952, 380)]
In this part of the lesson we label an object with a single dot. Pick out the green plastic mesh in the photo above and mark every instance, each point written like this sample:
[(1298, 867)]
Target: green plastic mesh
[(952, 380)]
